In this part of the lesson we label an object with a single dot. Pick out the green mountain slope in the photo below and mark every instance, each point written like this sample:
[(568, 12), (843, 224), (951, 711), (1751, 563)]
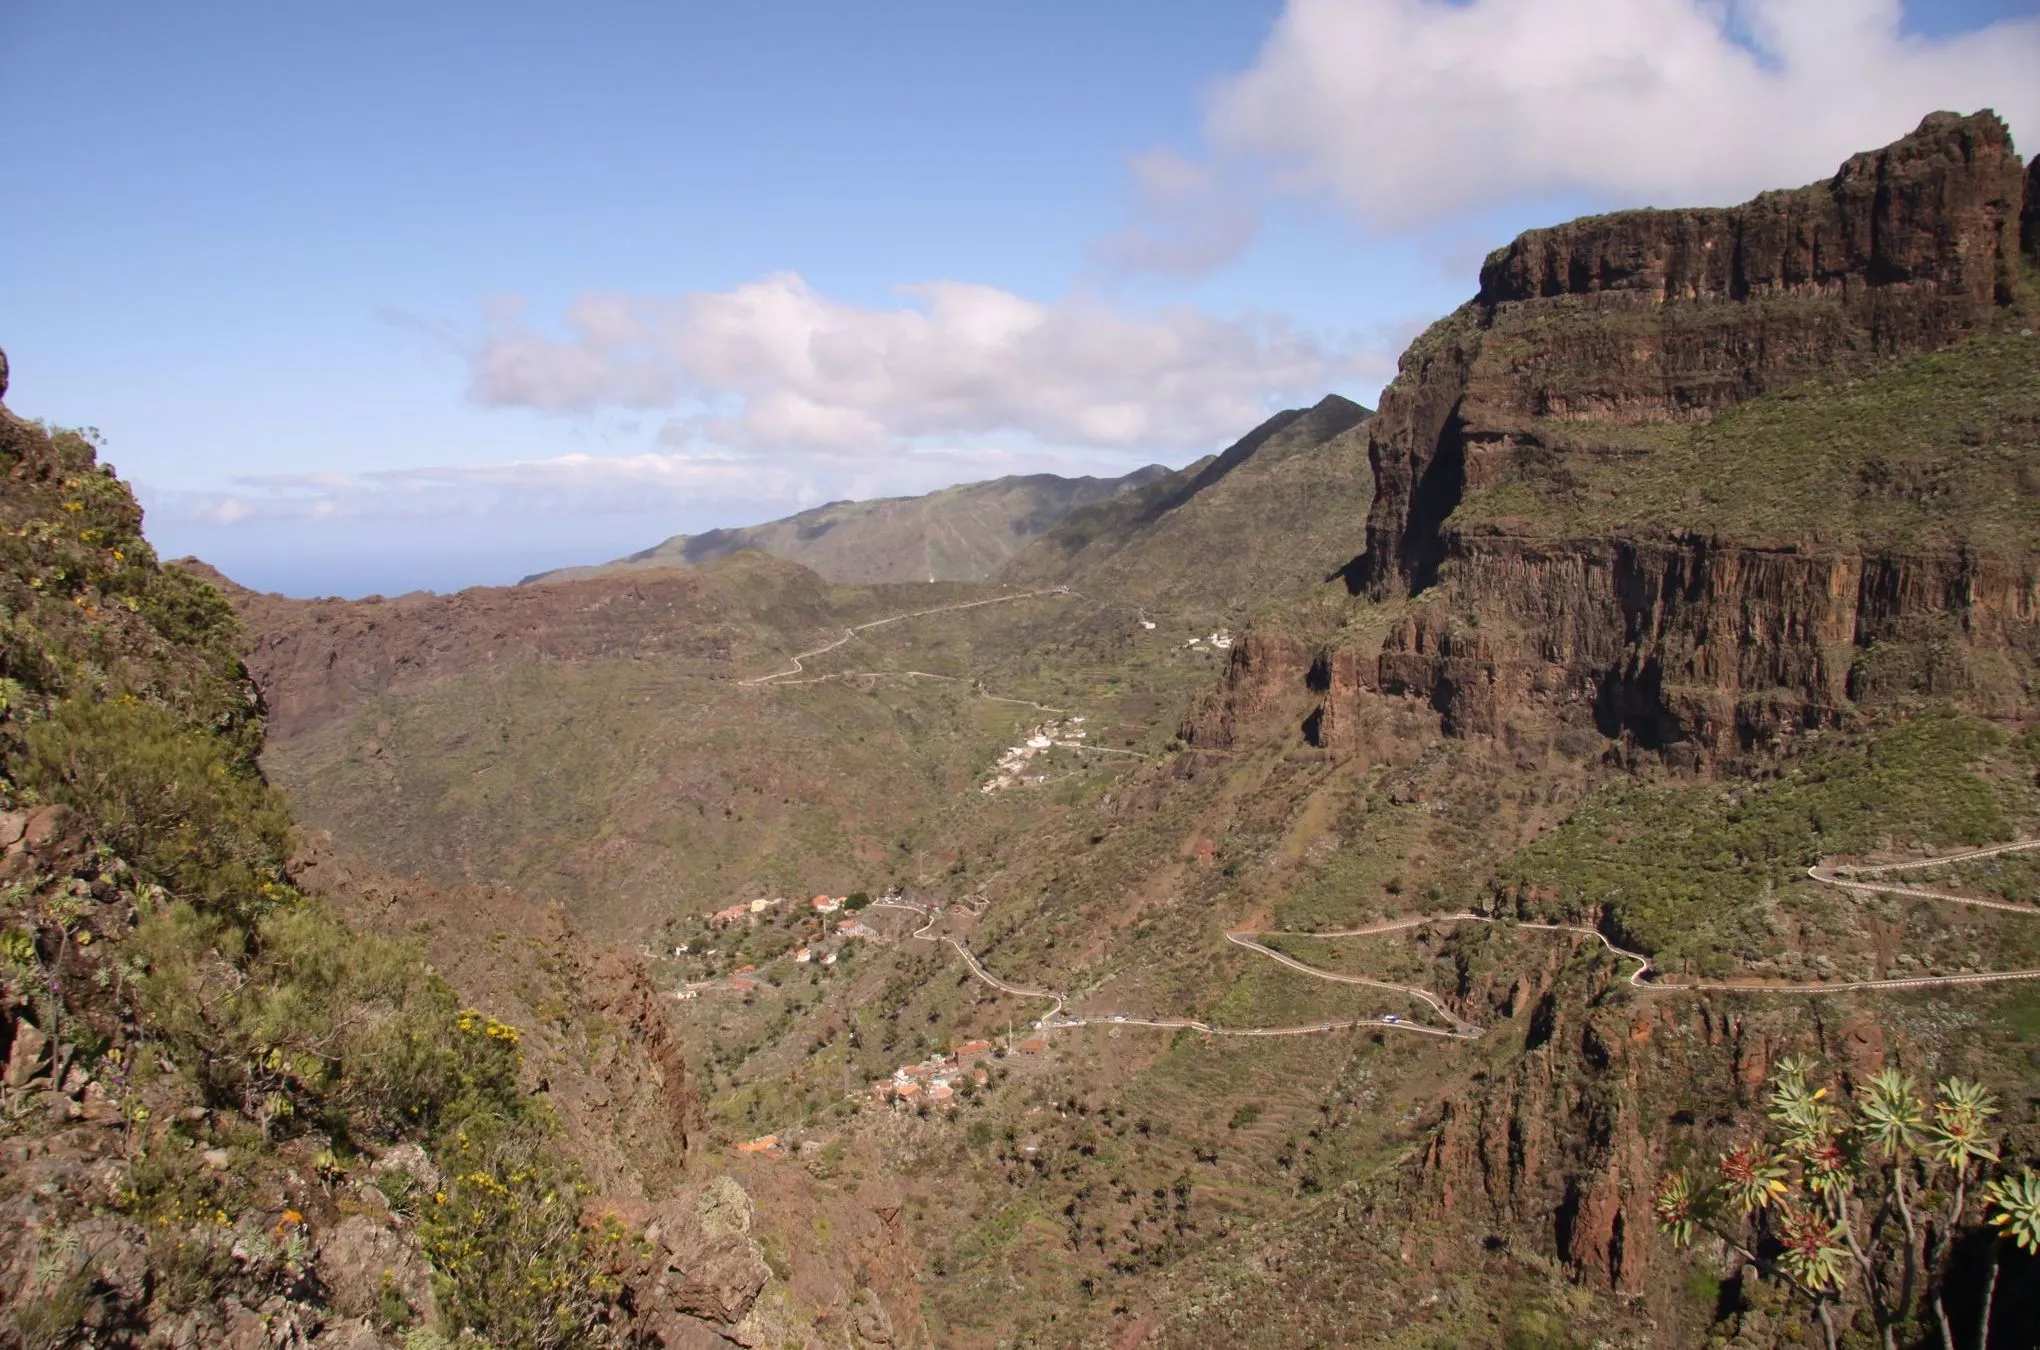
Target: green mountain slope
[(962, 533), (1280, 510)]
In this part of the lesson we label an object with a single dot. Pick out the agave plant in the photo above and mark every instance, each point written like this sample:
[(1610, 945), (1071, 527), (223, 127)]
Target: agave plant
[(2017, 1202)]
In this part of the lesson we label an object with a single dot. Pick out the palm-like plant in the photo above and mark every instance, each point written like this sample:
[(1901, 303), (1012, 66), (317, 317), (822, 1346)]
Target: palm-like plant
[(2017, 1202), (1677, 1208), (1958, 1138), (1893, 1114), (1814, 1252), (1751, 1177), (1835, 1193)]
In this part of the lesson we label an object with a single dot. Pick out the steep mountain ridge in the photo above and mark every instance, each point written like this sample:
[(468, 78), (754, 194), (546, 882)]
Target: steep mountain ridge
[(1275, 513), (1546, 452), (961, 533)]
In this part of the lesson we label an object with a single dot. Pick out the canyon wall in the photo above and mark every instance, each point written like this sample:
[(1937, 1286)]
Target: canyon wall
[(1591, 343)]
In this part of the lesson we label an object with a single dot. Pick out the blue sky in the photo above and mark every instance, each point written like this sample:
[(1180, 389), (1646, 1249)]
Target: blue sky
[(378, 296)]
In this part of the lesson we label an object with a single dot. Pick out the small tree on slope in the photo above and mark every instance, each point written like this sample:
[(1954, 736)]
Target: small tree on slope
[(1866, 1191)]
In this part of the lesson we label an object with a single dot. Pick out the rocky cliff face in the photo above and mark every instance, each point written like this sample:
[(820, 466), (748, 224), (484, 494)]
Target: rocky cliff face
[(1592, 342), (1646, 316)]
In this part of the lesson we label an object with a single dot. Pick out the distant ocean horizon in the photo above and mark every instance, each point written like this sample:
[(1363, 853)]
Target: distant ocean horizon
[(352, 576)]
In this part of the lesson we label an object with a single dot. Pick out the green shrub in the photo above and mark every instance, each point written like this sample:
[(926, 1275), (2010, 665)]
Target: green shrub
[(168, 797), (511, 1258), (305, 1023)]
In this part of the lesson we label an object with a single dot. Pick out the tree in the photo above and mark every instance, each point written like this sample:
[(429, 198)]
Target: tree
[(1855, 1200)]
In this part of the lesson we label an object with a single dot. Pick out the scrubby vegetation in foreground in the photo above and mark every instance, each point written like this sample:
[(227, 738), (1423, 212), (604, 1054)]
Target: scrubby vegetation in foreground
[(198, 1054)]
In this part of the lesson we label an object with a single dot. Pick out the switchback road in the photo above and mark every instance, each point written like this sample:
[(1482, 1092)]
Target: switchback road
[(1643, 978)]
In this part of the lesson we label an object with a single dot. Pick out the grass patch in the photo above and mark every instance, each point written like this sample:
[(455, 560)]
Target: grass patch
[(1689, 874), (1935, 450)]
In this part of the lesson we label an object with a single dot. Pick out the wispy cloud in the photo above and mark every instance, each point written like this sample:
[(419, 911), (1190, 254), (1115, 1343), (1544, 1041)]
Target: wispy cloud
[(773, 366), (1408, 111), (677, 484)]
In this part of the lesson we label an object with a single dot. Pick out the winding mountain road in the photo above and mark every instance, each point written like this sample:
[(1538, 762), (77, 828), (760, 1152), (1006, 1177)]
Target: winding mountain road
[(1643, 978)]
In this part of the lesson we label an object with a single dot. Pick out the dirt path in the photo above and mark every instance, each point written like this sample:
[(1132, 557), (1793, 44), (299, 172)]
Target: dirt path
[(849, 633)]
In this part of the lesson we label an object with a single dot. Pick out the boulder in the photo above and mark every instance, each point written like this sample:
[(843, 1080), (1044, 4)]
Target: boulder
[(359, 1256), (28, 1058), (704, 1266)]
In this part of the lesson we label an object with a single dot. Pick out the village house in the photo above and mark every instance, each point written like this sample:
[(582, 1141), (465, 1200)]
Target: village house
[(970, 1048), (827, 904), (764, 1143), (853, 928), (735, 913), (803, 956)]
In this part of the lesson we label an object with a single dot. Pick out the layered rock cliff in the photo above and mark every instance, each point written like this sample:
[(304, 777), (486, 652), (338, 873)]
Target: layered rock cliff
[(1681, 475)]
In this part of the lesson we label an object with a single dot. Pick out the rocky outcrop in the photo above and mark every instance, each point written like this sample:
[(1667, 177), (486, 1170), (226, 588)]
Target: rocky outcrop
[(1697, 645), (1679, 643), (2029, 230), (1260, 672), (702, 1269)]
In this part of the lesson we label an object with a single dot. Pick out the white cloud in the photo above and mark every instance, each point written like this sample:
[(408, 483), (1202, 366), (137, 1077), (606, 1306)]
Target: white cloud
[(772, 366), (1187, 221), (1407, 111)]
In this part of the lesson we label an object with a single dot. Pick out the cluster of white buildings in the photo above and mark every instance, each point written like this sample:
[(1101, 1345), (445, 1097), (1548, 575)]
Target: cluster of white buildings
[(1011, 770), (1220, 639)]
